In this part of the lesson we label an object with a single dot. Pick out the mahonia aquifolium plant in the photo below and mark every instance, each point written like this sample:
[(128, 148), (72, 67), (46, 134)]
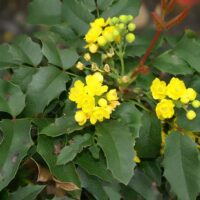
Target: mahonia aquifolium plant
[(175, 94)]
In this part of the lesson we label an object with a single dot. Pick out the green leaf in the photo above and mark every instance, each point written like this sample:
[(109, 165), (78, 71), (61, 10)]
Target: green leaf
[(171, 63), (119, 158), (93, 185), (29, 52), (29, 192), (127, 7), (69, 152), (143, 185), (148, 143), (46, 85), (23, 76), (153, 170), (62, 125), (44, 12), (77, 15), (182, 166), (64, 58), (64, 173), (129, 115), (113, 191), (12, 100), (16, 142), (104, 4), (189, 125), (93, 166), (189, 50), (6, 54)]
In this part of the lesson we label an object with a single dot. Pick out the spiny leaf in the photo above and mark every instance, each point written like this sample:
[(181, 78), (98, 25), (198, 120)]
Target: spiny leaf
[(16, 142), (182, 166)]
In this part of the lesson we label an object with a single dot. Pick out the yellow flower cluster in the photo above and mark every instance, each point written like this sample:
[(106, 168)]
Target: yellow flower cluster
[(103, 32), (170, 94), (94, 101)]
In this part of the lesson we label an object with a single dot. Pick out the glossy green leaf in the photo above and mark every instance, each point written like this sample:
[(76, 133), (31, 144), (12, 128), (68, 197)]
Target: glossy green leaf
[(116, 141), (12, 99), (6, 55), (44, 12), (28, 51), (113, 191), (189, 125), (64, 58), (16, 142), (46, 85), (148, 143), (29, 192), (129, 115), (104, 4), (172, 64), (152, 169), (182, 166), (22, 76), (64, 173), (94, 167), (189, 50), (77, 15), (93, 185), (62, 125), (143, 185), (127, 7), (69, 152)]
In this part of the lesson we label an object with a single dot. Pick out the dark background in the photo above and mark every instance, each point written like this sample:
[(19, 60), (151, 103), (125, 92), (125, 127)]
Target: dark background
[(13, 18)]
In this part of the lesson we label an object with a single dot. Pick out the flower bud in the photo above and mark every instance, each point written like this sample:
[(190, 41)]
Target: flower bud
[(130, 17), (131, 27), (130, 37), (190, 115), (111, 53), (196, 103), (93, 48), (106, 68), (114, 20), (94, 67), (123, 18), (125, 79), (87, 57), (80, 65)]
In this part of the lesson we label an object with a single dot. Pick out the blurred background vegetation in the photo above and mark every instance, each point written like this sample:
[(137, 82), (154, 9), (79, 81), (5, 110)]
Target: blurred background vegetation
[(13, 18)]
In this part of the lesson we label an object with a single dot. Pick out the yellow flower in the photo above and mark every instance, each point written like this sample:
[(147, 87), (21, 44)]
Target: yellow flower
[(93, 34), (108, 33), (91, 100), (87, 103), (189, 95), (77, 91), (176, 88), (112, 95), (165, 109), (80, 117), (100, 22), (97, 115), (158, 89)]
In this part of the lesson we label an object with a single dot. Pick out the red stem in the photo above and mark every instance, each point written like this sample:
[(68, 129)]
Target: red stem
[(148, 51)]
